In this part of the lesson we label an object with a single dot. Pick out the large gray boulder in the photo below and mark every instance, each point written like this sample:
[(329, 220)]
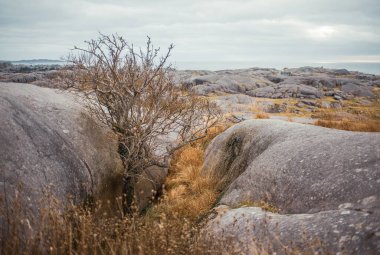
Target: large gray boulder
[(48, 141), (325, 183), (47, 138), (50, 145), (50, 149)]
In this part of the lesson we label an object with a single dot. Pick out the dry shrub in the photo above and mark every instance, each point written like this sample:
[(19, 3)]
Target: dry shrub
[(262, 115), (134, 93)]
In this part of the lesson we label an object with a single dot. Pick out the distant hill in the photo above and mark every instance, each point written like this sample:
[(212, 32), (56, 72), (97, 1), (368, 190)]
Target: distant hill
[(36, 61)]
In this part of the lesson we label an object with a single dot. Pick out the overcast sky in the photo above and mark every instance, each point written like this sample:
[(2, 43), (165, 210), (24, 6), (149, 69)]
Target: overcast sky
[(202, 30)]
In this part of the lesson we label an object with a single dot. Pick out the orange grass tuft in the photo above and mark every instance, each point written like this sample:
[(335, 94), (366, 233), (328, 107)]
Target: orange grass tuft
[(351, 125), (262, 115), (189, 193)]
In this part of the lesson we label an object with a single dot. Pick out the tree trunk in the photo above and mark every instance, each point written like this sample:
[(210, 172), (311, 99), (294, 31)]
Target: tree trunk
[(129, 183)]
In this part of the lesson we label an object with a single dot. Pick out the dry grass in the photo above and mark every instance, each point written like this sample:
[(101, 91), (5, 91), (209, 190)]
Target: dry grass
[(167, 228), (258, 112), (262, 115), (352, 117), (189, 194), (350, 125), (81, 230)]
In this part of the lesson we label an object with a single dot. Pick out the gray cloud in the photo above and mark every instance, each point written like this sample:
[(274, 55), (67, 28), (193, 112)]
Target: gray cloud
[(213, 30)]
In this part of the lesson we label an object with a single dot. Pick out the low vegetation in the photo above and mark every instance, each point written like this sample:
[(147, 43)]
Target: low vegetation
[(262, 204), (189, 194), (350, 124), (351, 117), (262, 115), (83, 230), (168, 227)]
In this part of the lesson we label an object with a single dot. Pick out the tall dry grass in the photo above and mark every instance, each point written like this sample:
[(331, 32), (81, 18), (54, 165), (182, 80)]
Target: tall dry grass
[(352, 118), (81, 230), (169, 227), (350, 124), (189, 194)]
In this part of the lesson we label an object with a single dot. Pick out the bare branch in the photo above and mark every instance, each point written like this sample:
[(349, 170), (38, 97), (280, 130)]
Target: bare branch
[(134, 94)]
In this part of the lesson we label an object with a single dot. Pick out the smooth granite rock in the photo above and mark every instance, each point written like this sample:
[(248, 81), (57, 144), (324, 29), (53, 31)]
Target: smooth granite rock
[(47, 139), (325, 183), (250, 230), (49, 144)]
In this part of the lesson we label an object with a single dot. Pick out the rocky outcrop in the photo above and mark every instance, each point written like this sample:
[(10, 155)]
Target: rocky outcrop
[(304, 82), (52, 76), (325, 184), (49, 144)]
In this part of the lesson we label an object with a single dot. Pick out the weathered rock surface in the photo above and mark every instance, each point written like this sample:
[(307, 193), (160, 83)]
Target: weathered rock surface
[(149, 186), (235, 103), (304, 82), (326, 184), (357, 90), (250, 230), (47, 141), (51, 76)]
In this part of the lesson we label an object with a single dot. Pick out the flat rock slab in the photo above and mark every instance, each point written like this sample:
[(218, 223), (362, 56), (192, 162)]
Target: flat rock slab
[(301, 169)]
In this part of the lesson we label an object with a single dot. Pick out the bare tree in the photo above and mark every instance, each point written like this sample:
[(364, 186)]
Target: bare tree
[(133, 92)]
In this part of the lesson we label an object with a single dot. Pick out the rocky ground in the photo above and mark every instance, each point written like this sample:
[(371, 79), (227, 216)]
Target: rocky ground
[(41, 75), (296, 91), (323, 184), (304, 82), (243, 93)]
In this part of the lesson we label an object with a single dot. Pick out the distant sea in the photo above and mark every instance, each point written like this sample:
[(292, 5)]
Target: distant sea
[(370, 68), (38, 62)]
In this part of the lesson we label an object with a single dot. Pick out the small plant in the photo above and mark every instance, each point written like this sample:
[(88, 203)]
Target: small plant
[(262, 204), (262, 115)]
